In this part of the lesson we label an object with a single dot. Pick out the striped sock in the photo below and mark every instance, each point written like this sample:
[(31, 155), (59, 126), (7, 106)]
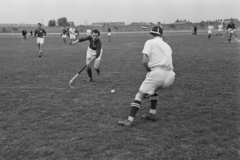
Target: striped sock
[(135, 106)]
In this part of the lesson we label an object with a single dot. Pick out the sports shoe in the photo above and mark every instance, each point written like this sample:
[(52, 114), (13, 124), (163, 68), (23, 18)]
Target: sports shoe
[(90, 80), (149, 116), (125, 123)]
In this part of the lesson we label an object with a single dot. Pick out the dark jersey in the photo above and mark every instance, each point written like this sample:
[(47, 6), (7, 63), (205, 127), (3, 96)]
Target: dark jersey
[(64, 32), (109, 29), (97, 45), (231, 26), (40, 32), (24, 32), (160, 30)]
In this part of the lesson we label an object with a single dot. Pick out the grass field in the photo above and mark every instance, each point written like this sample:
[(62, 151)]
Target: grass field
[(41, 118)]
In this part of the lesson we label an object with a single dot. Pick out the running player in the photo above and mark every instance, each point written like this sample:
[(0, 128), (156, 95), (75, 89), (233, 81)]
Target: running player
[(157, 59), (94, 51), (220, 29), (231, 30), (72, 33), (40, 33), (64, 35), (161, 31), (24, 33), (109, 33), (210, 30)]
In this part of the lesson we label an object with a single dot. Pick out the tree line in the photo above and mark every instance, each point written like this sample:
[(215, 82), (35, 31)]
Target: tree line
[(60, 22)]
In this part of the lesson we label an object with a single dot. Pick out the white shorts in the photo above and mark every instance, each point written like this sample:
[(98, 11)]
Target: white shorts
[(40, 40), (156, 79), (109, 34), (64, 36), (231, 30), (209, 32), (92, 53), (72, 36)]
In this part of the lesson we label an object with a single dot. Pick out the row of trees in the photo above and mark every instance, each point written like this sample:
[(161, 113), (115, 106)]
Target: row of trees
[(60, 22)]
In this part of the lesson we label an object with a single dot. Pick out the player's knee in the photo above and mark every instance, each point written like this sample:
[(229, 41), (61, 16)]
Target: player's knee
[(140, 96), (88, 67)]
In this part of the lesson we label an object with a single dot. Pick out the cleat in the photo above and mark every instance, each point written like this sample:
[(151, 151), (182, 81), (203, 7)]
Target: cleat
[(125, 123), (39, 56), (149, 116), (90, 80)]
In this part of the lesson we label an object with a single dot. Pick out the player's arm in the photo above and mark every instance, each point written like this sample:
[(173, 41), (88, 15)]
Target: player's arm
[(145, 62), (146, 52), (82, 39)]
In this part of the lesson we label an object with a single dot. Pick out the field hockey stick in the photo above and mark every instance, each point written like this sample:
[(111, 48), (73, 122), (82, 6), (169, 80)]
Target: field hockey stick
[(76, 75), (227, 33)]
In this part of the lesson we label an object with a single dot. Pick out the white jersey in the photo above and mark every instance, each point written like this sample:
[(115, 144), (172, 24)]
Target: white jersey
[(220, 27), (210, 28), (72, 31), (159, 53), (89, 32)]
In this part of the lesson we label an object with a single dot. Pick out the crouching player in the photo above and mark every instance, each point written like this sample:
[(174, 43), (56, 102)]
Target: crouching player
[(94, 51), (157, 59)]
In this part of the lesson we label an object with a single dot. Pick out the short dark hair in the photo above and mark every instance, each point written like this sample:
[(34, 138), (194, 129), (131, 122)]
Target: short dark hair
[(39, 24), (96, 31)]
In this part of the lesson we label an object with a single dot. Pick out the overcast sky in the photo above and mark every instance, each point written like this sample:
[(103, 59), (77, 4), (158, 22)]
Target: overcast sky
[(82, 11)]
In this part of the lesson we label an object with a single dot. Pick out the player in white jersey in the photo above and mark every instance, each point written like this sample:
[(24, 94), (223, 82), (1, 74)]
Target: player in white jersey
[(220, 29), (210, 30), (72, 33), (157, 59), (89, 32)]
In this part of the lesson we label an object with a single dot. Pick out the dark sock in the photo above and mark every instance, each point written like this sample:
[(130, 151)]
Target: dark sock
[(98, 71), (89, 72), (135, 105), (153, 101)]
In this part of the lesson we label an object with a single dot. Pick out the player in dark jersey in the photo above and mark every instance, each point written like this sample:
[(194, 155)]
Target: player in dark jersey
[(160, 29), (24, 33), (31, 34), (64, 35), (40, 33), (109, 33), (231, 30), (94, 51)]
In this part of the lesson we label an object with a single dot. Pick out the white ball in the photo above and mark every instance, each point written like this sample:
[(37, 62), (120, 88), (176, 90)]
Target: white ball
[(112, 91)]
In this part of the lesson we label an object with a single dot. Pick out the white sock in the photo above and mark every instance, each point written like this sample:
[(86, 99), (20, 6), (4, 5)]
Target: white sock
[(130, 118), (152, 111)]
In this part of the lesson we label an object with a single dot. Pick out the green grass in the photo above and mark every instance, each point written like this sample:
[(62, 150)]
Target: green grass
[(41, 118)]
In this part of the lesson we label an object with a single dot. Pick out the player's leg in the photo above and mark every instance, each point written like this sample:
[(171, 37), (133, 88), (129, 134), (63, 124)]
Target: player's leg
[(89, 70), (230, 37), (168, 81), (135, 106), (97, 64)]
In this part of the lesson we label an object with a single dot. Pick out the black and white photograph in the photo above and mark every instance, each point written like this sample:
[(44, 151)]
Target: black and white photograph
[(120, 80)]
